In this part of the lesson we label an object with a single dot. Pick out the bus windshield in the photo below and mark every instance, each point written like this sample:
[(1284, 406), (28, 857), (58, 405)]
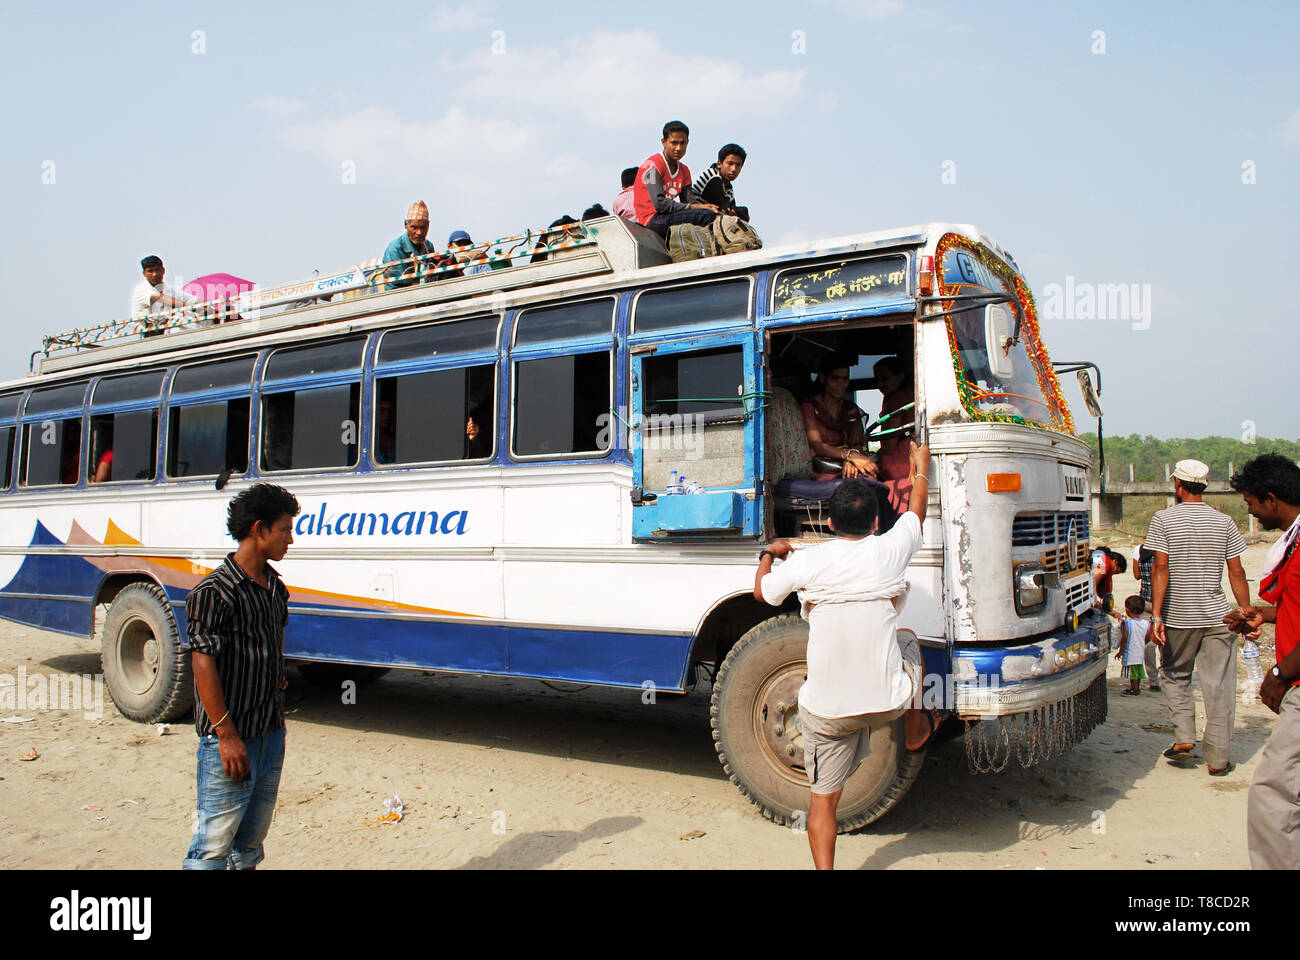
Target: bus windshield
[(1019, 384)]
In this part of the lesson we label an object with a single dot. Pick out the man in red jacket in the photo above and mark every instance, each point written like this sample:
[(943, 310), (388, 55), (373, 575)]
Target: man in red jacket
[(1270, 485), (662, 193)]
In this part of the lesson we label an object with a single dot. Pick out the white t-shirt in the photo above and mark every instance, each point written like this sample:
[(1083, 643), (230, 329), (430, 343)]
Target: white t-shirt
[(144, 290), (1135, 646), (851, 591)]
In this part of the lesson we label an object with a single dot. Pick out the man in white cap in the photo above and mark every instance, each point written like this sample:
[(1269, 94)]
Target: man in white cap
[(411, 255), (1192, 541)]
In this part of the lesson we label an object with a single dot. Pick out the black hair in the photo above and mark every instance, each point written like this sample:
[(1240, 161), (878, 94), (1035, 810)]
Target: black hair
[(832, 362), (853, 508), (563, 221), (1269, 473), (1134, 605), (262, 501), (1120, 560), (676, 126), (594, 212), (1195, 489), (151, 261), (731, 148), (629, 176)]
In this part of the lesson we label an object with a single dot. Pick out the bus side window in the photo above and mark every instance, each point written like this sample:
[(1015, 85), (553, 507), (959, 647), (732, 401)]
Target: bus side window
[(435, 416), (7, 455), (561, 404), (122, 446), (205, 438), (51, 452), (308, 428)]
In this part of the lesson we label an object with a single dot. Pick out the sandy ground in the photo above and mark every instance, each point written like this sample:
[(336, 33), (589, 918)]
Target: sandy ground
[(515, 774)]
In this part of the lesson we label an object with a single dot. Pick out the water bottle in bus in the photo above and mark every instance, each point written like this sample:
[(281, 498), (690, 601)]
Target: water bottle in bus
[(1254, 669), (692, 486), (674, 485)]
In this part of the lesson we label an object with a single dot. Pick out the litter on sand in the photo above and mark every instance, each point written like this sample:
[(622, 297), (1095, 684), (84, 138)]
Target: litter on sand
[(392, 811), (164, 729), (30, 755), (16, 720)]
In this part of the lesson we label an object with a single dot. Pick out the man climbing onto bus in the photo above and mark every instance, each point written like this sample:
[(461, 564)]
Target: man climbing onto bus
[(662, 193), (236, 618), (860, 675)]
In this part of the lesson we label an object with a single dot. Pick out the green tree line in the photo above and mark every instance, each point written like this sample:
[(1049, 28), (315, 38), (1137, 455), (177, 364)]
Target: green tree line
[(1149, 455)]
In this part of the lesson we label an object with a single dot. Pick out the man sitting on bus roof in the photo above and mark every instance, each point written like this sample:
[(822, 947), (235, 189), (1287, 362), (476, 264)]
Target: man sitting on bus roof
[(662, 193), (624, 204), (153, 299), (411, 256), (714, 184)]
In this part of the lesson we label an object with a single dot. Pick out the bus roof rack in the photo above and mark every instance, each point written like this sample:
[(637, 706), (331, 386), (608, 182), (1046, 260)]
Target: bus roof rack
[(608, 245)]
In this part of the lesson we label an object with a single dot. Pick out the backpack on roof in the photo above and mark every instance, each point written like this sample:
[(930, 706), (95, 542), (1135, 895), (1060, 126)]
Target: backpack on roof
[(733, 235), (686, 241)]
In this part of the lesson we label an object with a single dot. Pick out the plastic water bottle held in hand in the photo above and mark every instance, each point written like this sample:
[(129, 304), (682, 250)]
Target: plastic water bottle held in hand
[(1254, 669), (674, 485), (691, 486)]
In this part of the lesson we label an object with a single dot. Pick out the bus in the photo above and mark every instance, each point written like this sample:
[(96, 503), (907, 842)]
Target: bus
[(484, 465)]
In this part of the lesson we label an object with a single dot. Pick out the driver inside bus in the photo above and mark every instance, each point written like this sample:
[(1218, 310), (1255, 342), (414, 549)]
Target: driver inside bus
[(894, 381), (835, 426)]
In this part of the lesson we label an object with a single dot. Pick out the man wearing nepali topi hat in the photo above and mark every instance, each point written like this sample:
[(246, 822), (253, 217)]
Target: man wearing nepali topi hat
[(410, 257)]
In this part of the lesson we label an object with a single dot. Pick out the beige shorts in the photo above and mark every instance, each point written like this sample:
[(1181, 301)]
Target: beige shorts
[(833, 747)]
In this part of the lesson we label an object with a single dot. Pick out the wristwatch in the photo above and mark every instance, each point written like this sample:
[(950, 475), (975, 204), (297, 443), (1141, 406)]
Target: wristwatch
[(1277, 672), (766, 553)]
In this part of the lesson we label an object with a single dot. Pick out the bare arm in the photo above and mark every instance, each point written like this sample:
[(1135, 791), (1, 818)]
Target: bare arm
[(1237, 580), (778, 548), (1159, 585), (207, 681), (920, 498), (854, 464)]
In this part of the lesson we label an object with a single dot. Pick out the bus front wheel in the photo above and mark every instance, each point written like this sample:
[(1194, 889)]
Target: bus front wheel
[(147, 674), (756, 731)]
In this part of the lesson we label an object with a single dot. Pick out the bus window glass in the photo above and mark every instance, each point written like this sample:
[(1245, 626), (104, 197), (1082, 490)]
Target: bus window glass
[(56, 398), (9, 406), (439, 415), (205, 438), (338, 357), (7, 455), (135, 388), (222, 375), (122, 446), (559, 405), (697, 304), (305, 429), (51, 451), (439, 340), (570, 322), (848, 281), (709, 382)]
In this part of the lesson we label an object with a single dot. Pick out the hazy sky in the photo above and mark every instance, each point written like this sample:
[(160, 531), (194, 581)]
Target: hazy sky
[(1154, 144)]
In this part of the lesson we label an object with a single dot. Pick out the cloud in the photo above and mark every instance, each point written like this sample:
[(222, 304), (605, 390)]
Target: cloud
[(1291, 129), (865, 9), (461, 17), (605, 77), (277, 108)]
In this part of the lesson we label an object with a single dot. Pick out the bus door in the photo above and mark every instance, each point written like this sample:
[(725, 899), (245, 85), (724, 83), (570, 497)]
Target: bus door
[(694, 411)]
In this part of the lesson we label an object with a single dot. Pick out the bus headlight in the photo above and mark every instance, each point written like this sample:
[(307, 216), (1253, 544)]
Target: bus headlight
[(1030, 587)]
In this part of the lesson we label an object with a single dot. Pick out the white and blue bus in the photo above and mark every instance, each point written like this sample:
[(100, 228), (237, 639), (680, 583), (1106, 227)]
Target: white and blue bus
[(483, 465)]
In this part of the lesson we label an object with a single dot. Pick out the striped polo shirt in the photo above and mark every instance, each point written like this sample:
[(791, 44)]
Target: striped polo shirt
[(1199, 541), (236, 620)]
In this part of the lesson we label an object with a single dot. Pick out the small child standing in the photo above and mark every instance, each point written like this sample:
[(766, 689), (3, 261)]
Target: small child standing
[(1132, 643)]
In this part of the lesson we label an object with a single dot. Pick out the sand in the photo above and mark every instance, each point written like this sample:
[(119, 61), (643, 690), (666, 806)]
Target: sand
[(516, 774)]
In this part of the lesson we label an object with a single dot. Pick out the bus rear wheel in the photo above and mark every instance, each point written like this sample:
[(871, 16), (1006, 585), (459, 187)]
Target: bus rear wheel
[(147, 674), (756, 731)]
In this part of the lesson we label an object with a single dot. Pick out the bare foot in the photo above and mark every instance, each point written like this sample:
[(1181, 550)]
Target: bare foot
[(920, 726)]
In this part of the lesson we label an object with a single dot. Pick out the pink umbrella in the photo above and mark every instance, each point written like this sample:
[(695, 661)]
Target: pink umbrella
[(217, 286)]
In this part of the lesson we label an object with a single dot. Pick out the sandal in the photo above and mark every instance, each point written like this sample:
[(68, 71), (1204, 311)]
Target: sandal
[(1222, 771), (1179, 752), (934, 725)]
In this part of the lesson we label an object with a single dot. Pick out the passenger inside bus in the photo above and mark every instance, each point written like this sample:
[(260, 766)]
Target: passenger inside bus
[(897, 409), (835, 427)]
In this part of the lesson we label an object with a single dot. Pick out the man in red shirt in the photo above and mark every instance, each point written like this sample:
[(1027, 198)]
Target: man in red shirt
[(662, 194), (1270, 485)]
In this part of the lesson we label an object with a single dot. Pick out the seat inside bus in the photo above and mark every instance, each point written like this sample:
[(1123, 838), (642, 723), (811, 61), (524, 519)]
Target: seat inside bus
[(800, 500)]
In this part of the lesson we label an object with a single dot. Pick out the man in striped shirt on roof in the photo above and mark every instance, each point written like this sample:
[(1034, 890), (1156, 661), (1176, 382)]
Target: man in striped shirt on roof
[(1192, 542), (236, 617)]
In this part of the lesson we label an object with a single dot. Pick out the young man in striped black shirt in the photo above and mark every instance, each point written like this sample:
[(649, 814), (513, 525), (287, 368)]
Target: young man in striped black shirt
[(1192, 542), (236, 618)]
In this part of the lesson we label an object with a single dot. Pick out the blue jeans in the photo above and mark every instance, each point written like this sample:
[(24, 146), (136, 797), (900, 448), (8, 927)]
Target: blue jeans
[(234, 816)]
